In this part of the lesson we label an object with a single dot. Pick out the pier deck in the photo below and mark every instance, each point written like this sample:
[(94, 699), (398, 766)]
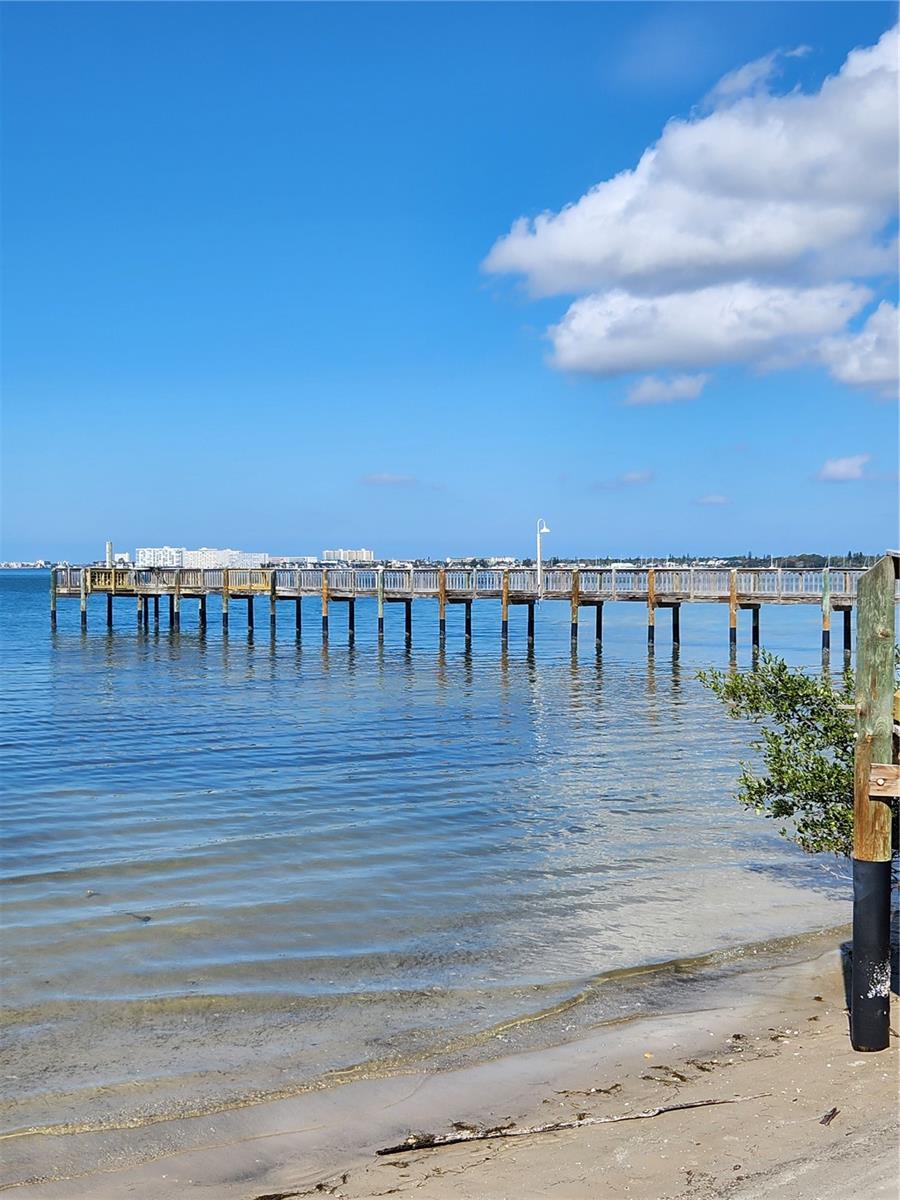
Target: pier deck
[(590, 587)]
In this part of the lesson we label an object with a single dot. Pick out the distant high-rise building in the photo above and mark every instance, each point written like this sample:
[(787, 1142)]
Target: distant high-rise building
[(348, 556), (206, 558), (159, 556)]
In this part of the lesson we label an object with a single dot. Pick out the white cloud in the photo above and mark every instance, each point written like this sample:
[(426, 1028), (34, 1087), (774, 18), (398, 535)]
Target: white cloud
[(751, 77), (780, 202), (653, 390), (838, 470), (386, 479), (868, 358), (616, 332), (714, 498)]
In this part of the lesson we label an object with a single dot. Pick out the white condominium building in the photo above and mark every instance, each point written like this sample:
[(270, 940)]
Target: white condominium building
[(159, 556), (206, 558), (348, 556)]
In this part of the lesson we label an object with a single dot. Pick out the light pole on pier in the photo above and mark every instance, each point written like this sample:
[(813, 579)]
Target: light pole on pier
[(542, 528)]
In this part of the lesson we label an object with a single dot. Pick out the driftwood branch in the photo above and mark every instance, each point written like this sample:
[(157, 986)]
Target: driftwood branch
[(433, 1141)]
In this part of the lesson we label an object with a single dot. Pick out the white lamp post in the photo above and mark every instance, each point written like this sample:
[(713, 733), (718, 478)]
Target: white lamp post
[(542, 528)]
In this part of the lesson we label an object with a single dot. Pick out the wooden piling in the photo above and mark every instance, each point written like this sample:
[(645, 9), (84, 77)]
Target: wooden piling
[(732, 611), (250, 614), (442, 605), (848, 626), (156, 612), (504, 608), (598, 625), (201, 613), (177, 598), (83, 597), (379, 591), (145, 611), (676, 626), (575, 597), (109, 611), (171, 610), (651, 606), (324, 604), (826, 611), (407, 604), (468, 622), (530, 622), (225, 597), (754, 632), (273, 602), (298, 616), (351, 621), (53, 597), (870, 982)]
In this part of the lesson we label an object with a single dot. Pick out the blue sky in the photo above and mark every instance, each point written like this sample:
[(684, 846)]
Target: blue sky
[(260, 288)]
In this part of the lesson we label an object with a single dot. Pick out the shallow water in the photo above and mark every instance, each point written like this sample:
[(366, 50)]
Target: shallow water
[(233, 866)]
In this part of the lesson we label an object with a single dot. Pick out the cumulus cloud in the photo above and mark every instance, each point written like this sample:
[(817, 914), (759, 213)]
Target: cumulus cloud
[(769, 209), (839, 470), (653, 390), (868, 358), (386, 479), (751, 77)]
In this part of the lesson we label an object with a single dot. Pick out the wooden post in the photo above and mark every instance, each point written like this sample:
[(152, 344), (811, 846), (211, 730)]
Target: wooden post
[(732, 611), (870, 983), (250, 613), (53, 597), (171, 610), (598, 625), (225, 591), (468, 622), (407, 604), (442, 605), (177, 599), (140, 612), (576, 599), (530, 622), (273, 601), (145, 610), (351, 621), (201, 616), (83, 597), (156, 612), (651, 606), (379, 591), (504, 608), (324, 604), (109, 611), (298, 616), (754, 635), (848, 620), (676, 626), (826, 611)]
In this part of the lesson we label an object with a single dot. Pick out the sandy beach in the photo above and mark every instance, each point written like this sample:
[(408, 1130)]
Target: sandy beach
[(775, 1047)]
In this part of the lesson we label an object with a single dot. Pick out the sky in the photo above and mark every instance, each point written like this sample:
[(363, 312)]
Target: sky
[(285, 277)]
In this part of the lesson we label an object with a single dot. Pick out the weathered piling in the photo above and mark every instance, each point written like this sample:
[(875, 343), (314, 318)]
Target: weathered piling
[(848, 626), (139, 614), (171, 610), (201, 613), (83, 597), (442, 605), (225, 597), (351, 621), (754, 628), (407, 605), (379, 593), (145, 610), (468, 605), (325, 606), (530, 632), (573, 622), (298, 616), (875, 781), (598, 625), (273, 601), (732, 611), (826, 610), (109, 611), (504, 608), (651, 607), (156, 612), (52, 599), (676, 625), (250, 614), (177, 598)]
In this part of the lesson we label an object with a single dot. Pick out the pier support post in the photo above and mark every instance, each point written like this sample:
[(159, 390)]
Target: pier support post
[(407, 604), (651, 607), (139, 605), (848, 619), (83, 597), (871, 961), (468, 622), (145, 611), (732, 611), (225, 598), (676, 626), (201, 614), (351, 621), (504, 608), (442, 605), (176, 608), (754, 634), (826, 611), (171, 610), (109, 611), (598, 625), (250, 614), (530, 622), (156, 612), (53, 597), (273, 601), (379, 592), (324, 605), (298, 616), (576, 599)]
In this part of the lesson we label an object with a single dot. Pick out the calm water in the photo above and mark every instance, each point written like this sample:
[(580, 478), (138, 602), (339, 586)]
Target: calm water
[(232, 866)]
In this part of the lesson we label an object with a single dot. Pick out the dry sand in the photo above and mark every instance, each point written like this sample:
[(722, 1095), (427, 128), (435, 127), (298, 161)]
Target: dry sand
[(781, 1044)]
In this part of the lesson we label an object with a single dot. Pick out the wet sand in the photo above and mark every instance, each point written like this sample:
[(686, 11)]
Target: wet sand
[(776, 1039)]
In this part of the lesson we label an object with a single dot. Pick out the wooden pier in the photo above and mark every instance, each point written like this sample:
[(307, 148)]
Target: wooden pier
[(657, 588)]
